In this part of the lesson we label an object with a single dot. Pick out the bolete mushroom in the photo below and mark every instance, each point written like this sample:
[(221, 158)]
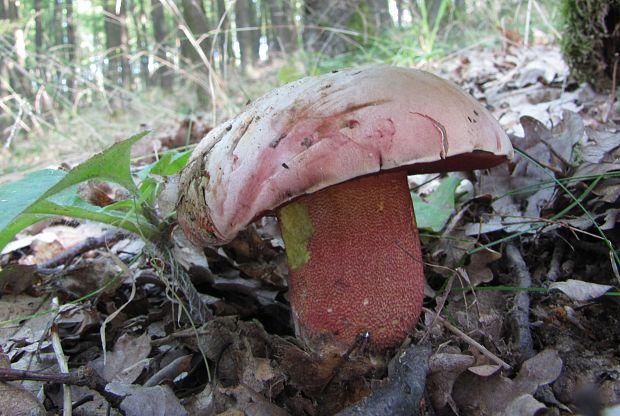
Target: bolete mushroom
[(330, 155)]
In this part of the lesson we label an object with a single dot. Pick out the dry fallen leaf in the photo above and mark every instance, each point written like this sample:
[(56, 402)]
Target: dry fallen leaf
[(443, 372), (579, 290), (478, 270), (128, 358), (482, 396), (139, 401), (74, 320), (525, 405), (485, 370), (15, 400)]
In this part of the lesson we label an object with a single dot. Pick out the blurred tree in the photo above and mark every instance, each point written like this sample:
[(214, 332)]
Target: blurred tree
[(5, 15), (379, 15), (326, 23), (13, 70), (163, 74), (38, 26), (71, 51), (224, 41), (197, 23), (117, 42), (399, 13), (138, 15), (256, 27), (247, 31), (591, 41), (57, 24), (283, 35)]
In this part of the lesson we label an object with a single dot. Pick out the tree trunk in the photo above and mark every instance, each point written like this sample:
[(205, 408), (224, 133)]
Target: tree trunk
[(117, 43), (125, 66), (224, 42), (20, 79), (433, 10), (255, 31), (4, 63), (71, 48), (196, 20), (323, 20), (591, 41), (13, 74), (57, 23), (283, 33), (38, 26), (54, 35), (139, 21), (399, 12), (244, 36), (379, 15), (163, 74)]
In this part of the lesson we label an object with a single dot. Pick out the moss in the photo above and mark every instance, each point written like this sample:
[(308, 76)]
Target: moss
[(297, 230), (591, 39)]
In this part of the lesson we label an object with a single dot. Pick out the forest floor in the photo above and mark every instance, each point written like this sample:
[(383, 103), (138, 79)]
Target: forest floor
[(527, 325)]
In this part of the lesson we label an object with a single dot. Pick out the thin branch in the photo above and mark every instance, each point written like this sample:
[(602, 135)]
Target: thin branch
[(84, 376), (521, 308), (483, 350)]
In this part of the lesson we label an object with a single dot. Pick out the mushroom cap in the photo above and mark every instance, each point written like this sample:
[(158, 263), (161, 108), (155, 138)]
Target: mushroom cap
[(321, 131)]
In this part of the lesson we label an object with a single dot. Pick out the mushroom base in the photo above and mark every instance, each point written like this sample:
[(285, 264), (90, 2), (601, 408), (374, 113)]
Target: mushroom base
[(355, 264)]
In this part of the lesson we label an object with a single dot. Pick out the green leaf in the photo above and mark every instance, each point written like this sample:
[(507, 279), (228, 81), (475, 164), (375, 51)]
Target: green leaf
[(49, 193), (288, 73), (19, 223), (15, 197), (170, 163), (434, 213), (123, 205), (149, 189), (113, 164), (130, 221)]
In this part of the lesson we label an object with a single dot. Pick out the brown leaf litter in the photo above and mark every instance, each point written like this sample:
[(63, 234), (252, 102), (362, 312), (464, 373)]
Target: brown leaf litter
[(495, 350)]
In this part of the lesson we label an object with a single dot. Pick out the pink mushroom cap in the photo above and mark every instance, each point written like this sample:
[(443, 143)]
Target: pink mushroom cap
[(321, 131)]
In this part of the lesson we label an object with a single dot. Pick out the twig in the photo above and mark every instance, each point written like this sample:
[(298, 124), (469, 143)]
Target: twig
[(521, 308), (483, 350), (90, 243), (554, 265), (84, 376), (528, 21), (403, 392), (67, 407), (591, 247), (81, 377), (614, 266), (612, 93), (170, 371), (440, 304), (14, 129)]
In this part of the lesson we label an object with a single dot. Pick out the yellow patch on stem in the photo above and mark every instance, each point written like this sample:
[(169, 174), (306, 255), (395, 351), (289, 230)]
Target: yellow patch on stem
[(297, 230)]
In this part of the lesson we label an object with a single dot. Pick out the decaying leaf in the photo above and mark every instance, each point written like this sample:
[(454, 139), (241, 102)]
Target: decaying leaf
[(128, 358), (156, 401), (476, 395), (478, 270), (579, 290), (525, 405), (16, 400), (74, 320), (443, 371)]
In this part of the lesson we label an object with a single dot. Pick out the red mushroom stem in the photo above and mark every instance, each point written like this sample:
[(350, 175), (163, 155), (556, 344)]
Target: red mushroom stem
[(355, 263)]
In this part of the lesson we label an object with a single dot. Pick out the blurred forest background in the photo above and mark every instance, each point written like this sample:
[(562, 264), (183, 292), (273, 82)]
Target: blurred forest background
[(75, 75)]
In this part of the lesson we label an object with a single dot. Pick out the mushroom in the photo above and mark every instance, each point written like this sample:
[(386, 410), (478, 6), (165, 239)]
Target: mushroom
[(330, 156)]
